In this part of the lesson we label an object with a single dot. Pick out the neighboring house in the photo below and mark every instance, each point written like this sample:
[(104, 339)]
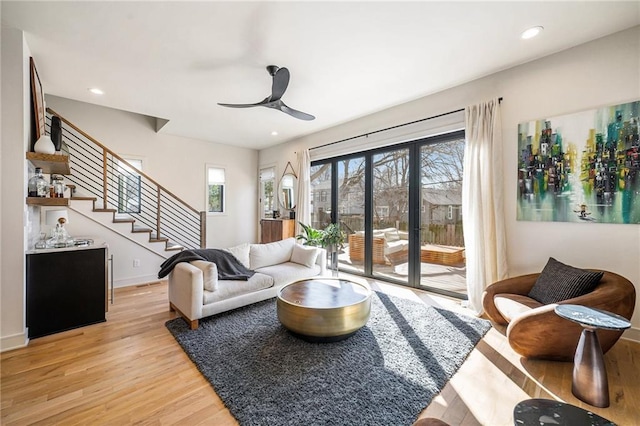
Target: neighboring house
[(441, 207)]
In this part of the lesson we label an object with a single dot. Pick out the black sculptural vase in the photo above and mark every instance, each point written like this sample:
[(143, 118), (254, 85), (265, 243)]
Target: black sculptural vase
[(56, 132)]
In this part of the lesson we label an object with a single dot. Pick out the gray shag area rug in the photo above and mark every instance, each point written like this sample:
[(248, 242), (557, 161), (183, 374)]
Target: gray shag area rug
[(385, 374)]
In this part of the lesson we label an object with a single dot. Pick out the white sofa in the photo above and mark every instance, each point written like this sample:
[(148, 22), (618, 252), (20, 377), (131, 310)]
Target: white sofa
[(195, 291)]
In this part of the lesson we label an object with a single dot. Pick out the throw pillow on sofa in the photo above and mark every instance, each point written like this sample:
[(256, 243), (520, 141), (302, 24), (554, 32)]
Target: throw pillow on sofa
[(209, 274), (304, 255), (241, 252), (261, 255), (558, 282)]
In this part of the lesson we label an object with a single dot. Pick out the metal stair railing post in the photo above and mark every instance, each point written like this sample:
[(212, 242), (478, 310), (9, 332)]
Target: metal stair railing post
[(178, 220), (104, 178)]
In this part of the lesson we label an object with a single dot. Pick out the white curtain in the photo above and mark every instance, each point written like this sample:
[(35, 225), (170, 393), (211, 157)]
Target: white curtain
[(303, 196), (482, 200)]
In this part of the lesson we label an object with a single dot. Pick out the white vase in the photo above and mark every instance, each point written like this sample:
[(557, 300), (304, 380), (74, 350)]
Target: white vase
[(44, 145)]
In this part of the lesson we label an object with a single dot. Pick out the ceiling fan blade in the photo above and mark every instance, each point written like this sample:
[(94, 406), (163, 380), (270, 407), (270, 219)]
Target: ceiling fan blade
[(280, 83), (295, 113), (261, 103)]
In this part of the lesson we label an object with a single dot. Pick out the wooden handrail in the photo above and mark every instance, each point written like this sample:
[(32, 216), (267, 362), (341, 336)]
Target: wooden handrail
[(160, 187)]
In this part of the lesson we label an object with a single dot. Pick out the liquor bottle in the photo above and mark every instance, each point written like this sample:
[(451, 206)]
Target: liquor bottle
[(38, 186)]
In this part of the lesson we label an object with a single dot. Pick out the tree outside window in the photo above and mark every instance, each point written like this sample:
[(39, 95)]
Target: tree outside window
[(215, 189), (267, 195)]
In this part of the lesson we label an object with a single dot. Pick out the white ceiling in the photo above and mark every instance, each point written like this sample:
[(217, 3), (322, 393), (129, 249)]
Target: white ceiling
[(176, 60)]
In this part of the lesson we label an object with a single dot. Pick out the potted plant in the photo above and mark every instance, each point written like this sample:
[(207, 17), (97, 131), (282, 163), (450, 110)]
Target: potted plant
[(311, 236), (331, 238)]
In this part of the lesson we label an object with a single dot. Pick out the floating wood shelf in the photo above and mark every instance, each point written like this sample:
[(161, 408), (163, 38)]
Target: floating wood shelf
[(50, 163), (41, 201)]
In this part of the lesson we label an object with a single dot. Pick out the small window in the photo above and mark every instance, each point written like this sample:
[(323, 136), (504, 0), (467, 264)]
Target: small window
[(215, 189), (129, 190), (267, 194)]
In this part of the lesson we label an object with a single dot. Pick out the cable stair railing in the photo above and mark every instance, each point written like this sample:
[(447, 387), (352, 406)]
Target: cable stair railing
[(115, 186)]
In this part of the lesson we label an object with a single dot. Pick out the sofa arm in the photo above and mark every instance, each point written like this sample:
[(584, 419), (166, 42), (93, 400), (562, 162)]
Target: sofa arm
[(186, 290), (321, 260)]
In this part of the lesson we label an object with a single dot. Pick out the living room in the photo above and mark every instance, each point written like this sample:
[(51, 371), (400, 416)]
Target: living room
[(599, 72)]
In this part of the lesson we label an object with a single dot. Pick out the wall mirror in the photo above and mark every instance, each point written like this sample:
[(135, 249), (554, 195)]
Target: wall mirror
[(287, 188)]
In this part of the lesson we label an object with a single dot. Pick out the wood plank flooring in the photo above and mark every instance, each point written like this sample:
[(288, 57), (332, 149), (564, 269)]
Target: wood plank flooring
[(130, 370)]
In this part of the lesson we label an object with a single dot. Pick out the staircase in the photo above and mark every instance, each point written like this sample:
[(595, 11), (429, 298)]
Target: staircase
[(108, 190)]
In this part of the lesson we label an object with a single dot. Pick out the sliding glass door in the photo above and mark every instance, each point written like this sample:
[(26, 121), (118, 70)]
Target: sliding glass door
[(391, 214), (400, 208), (442, 264), (351, 211)]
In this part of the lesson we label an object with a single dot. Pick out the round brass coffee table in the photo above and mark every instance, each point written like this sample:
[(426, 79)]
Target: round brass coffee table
[(324, 309)]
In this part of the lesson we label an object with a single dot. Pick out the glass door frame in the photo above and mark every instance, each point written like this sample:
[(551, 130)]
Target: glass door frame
[(415, 189)]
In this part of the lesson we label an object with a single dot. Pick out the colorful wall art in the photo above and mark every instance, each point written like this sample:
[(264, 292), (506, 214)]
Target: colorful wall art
[(582, 167)]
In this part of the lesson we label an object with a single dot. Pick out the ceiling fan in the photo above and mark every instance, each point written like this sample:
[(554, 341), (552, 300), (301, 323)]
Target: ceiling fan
[(278, 87)]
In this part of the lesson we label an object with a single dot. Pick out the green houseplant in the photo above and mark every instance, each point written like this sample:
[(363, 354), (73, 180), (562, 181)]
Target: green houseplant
[(332, 238), (311, 236)]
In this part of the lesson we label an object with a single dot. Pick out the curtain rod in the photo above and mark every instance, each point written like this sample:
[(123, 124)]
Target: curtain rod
[(392, 127)]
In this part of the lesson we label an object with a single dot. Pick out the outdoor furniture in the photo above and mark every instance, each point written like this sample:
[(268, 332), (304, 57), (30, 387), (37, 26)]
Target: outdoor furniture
[(356, 249), (442, 255)]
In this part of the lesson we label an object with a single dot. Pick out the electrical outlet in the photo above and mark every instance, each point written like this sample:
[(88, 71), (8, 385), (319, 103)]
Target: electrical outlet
[(136, 263)]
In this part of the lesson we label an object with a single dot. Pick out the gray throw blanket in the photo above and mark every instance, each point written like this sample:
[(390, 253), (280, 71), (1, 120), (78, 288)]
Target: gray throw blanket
[(229, 267)]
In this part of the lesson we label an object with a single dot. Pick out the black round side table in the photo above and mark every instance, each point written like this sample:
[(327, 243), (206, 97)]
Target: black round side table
[(541, 412)]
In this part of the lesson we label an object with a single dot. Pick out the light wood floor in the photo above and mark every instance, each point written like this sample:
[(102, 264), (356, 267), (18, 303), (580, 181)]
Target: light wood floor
[(131, 370)]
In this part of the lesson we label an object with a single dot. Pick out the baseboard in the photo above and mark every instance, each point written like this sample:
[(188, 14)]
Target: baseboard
[(130, 282), (14, 341), (632, 334)]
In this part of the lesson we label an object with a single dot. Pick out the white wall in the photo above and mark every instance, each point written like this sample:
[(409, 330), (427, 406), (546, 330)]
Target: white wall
[(603, 72), (13, 182)]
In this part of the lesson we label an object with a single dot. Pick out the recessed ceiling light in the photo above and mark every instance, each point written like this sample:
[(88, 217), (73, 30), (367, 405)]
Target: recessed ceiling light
[(96, 91), (274, 133), (531, 32)]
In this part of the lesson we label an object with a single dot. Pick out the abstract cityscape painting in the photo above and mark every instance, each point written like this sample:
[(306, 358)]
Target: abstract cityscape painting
[(581, 167)]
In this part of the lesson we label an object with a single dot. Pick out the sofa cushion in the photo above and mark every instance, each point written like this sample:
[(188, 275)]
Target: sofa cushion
[(241, 252), (391, 235), (261, 255), (304, 255), (513, 305), (396, 246), (227, 288), (209, 274), (289, 272), (558, 282)]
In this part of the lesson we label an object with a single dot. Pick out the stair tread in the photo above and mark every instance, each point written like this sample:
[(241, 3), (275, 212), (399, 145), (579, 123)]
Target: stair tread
[(124, 220), (137, 228), (105, 210), (154, 239), (83, 198)]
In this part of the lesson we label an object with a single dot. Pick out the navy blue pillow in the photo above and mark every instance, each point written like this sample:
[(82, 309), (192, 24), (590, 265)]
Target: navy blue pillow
[(559, 282)]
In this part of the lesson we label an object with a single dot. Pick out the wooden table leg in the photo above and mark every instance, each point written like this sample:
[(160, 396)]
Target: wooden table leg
[(590, 383)]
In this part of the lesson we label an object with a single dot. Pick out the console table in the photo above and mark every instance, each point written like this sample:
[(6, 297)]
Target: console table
[(276, 230), (66, 288), (590, 383)]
